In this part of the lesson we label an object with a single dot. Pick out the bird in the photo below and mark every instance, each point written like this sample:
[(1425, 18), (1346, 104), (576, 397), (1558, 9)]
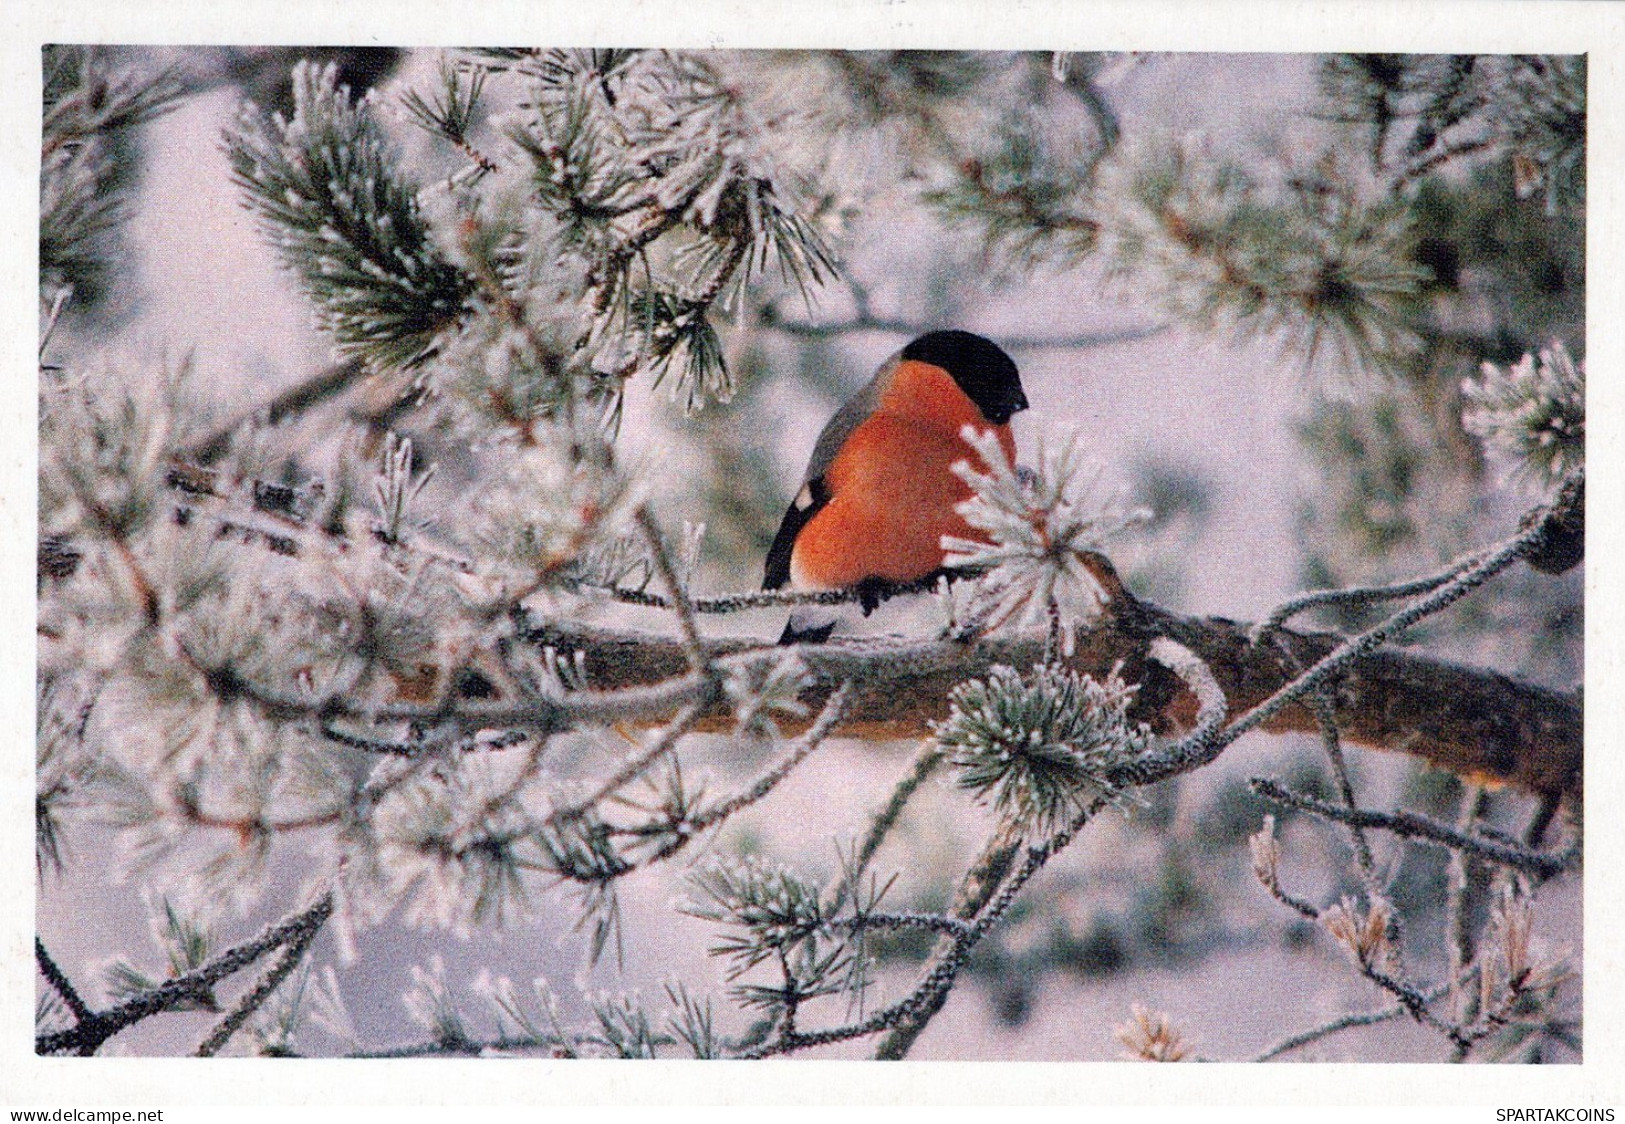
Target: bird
[(880, 493)]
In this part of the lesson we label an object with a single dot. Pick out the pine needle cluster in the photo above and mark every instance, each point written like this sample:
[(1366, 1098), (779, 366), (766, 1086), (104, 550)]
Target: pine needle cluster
[(1042, 527), (1040, 748), (362, 661), (327, 187), (93, 104)]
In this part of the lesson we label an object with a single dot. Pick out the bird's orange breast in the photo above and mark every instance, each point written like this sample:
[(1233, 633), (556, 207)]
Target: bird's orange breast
[(892, 488)]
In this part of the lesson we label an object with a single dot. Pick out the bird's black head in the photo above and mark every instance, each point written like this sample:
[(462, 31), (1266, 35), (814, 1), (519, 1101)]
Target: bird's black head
[(983, 371)]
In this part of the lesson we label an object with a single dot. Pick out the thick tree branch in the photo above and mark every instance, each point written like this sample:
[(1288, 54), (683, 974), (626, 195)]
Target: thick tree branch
[(1469, 721)]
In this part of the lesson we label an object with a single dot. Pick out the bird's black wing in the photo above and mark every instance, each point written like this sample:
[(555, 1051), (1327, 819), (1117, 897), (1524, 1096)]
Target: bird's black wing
[(808, 503), (814, 493)]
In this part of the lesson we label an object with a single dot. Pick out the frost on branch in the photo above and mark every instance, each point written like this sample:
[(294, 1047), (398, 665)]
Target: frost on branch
[(87, 164), (772, 907), (105, 437), (661, 177), (397, 487), (1533, 413), (1042, 532), (773, 915), (544, 505)]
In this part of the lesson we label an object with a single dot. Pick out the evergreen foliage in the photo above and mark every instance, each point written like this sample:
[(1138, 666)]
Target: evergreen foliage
[(380, 661), (93, 103)]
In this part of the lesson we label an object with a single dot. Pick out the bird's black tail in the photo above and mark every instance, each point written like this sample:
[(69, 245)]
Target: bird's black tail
[(805, 628)]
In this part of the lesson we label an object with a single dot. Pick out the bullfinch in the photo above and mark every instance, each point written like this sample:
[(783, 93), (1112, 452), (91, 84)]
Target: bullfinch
[(879, 493)]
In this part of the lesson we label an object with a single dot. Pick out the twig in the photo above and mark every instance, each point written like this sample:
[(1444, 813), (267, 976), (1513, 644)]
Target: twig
[(1326, 1030), (1203, 743), (987, 882), (699, 657), (1463, 875), (59, 983), (633, 769), (1541, 820), (776, 599), (976, 892), (1364, 865), (59, 301), (1359, 595), (1409, 825), (931, 922), (468, 1047), (906, 1018), (1266, 866), (867, 322), (1203, 746), (685, 831), (1418, 1006), (1333, 746), (1296, 904), (383, 747), (815, 735), (1418, 168)]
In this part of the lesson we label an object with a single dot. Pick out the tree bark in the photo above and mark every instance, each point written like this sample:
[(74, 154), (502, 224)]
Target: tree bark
[(1472, 722)]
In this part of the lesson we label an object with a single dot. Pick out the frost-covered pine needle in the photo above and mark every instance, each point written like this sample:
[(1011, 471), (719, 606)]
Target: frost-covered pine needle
[(1039, 533), (431, 1005), (328, 188), (397, 486), (768, 906), (1041, 748), (543, 506)]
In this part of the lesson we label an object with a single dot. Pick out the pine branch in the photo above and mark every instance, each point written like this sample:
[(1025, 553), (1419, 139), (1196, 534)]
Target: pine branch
[(292, 954), (89, 1033), (925, 763), (987, 892), (328, 190), (93, 100), (1409, 825), (60, 983), (1465, 720), (1471, 722), (976, 891)]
